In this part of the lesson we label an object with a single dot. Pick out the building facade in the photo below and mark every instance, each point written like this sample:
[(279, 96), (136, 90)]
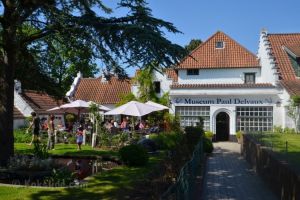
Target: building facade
[(232, 89)]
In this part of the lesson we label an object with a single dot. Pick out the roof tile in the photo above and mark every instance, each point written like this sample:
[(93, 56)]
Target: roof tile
[(204, 86), (103, 92), (233, 55)]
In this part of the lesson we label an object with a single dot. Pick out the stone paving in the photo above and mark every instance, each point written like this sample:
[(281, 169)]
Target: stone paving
[(228, 176)]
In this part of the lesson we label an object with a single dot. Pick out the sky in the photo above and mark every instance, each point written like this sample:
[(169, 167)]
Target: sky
[(240, 19)]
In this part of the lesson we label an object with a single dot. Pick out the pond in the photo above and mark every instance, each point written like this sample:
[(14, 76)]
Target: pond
[(68, 169)]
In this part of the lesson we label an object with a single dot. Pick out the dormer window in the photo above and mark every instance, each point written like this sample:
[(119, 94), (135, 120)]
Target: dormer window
[(192, 72), (249, 78), (220, 45), (294, 56)]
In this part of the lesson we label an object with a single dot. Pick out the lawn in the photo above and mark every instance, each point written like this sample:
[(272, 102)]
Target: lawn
[(66, 149), (278, 143), (114, 184)]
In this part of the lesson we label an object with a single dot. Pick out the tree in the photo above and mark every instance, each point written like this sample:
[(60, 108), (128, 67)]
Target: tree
[(194, 43), (294, 111), (135, 39)]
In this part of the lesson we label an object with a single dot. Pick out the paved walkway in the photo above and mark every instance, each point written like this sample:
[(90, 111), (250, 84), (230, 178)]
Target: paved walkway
[(228, 176)]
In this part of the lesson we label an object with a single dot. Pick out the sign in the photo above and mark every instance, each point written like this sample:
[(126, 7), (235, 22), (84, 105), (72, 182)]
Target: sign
[(237, 100)]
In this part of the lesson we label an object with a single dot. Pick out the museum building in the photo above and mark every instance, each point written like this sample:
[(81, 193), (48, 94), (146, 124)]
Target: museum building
[(232, 89)]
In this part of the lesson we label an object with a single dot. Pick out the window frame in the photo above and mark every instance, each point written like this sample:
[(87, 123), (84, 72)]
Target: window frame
[(220, 42), (251, 74), (188, 72)]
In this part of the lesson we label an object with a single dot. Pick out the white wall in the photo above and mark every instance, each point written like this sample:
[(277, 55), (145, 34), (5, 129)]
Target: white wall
[(268, 70), (164, 82), (19, 123), (22, 105), (216, 76)]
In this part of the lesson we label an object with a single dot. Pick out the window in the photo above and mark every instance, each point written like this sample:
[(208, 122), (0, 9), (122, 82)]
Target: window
[(193, 72), (254, 118), (189, 115), (249, 78), (220, 45), (296, 64), (157, 87)]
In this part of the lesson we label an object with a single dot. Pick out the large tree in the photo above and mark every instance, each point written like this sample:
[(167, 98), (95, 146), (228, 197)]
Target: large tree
[(135, 39)]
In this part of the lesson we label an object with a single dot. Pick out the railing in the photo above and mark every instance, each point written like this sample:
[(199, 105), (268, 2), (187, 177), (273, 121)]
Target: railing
[(184, 187)]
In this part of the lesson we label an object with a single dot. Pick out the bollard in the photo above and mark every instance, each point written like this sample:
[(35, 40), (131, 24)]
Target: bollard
[(94, 138), (84, 137)]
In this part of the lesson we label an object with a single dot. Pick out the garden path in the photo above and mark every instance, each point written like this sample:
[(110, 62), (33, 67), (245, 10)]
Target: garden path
[(229, 176)]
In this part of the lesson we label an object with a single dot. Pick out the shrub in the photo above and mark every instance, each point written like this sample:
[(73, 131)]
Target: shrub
[(21, 136), (208, 134), (289, 131), (238, 134), (278, 129), (134, 155), (60, 176), (167, 141), (70, 118), (40, 150), (207, 145), (193, 136)]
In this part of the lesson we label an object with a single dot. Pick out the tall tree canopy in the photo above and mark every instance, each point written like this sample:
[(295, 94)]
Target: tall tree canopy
[(194, 43), (135, 39)]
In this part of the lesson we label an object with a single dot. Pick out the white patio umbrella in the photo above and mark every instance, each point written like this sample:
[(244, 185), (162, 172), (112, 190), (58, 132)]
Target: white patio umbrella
[(101, 107), (162, 107), (133, 108)]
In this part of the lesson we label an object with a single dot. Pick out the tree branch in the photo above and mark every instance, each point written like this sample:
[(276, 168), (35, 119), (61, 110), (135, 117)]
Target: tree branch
[(42, 33)]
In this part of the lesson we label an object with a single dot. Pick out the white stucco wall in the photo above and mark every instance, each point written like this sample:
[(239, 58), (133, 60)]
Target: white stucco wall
[(267, 61), (164, 82), (217, 76), (19, 123)]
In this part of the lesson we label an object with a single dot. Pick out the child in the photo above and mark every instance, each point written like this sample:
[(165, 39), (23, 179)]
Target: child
[(79, 137)]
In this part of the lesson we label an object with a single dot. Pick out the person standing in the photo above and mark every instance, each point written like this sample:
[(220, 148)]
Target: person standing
[(51, 129), (79, 137), (35, 126)]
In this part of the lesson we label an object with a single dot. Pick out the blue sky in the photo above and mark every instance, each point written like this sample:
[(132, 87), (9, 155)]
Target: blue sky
[(240, 19)]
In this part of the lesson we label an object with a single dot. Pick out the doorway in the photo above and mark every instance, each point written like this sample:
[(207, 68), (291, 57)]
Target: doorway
[(222, 126)]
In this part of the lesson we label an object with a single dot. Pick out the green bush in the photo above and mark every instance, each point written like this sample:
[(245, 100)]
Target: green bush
[(193, 136), (21, 136), (289, 131), (278, 129), (134, 155), (209, 134), (70, 118), (40, 150), (238, 134), (207, 145), (167, 141)]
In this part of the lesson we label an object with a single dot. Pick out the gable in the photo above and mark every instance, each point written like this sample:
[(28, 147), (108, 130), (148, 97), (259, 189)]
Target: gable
[(232, 55)]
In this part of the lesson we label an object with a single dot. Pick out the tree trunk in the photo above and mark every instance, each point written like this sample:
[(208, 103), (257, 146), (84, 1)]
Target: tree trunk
[(7, 69)]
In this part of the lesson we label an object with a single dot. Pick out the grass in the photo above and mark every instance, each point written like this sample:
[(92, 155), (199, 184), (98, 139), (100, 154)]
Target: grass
[(66, 149), (114, 184), (278, 143)]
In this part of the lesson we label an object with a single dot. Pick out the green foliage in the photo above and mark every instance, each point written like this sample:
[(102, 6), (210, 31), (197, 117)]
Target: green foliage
[(207, 145), (21, 136), (28, 163), (278, 129), (193, 136), (296, 99), (125, 98), (194, 43), (286, 130), (40, 150), (144, 79), (70, 118), (60, 176), (105, 137), (172, 122), (209, 134), (167, 140), (134, 155), (238, 134)]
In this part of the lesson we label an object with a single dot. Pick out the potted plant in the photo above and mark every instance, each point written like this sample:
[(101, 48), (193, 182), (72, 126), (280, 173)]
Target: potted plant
[(209, 135), (239, 136)]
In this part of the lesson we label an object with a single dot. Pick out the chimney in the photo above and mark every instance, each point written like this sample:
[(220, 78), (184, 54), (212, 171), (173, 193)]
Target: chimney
[(18, 87)]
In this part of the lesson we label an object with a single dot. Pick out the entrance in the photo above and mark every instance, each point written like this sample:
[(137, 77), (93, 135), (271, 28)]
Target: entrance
[(222, 127)]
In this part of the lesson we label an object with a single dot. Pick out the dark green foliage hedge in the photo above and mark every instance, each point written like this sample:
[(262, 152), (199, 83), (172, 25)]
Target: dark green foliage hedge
[(134, 155), (207, 145), (193, 136), (167, 141)]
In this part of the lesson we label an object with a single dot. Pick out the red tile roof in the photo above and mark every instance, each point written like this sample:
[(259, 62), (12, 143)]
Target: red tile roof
[(233, 55), (204, 86), (172, 74), (92, 89), (18, 114), (40, 102), (285, 68), (278, 42)]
